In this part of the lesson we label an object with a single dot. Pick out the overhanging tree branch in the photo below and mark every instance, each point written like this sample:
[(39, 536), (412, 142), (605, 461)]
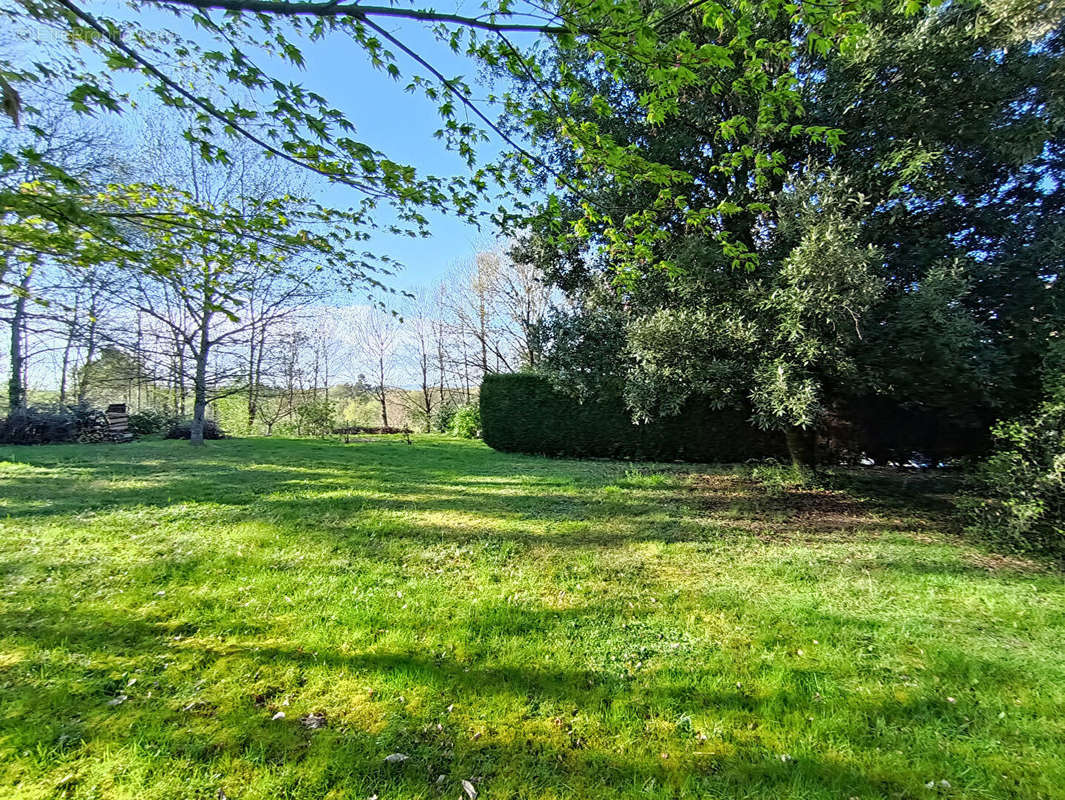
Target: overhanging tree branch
[(209, 107), (466, 101), (363, 13)]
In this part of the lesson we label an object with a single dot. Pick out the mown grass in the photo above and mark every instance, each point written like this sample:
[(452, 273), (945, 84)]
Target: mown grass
[(542, 629)]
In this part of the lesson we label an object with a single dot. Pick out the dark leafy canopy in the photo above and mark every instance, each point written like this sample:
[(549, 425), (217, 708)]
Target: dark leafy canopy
[(956, 133), (917, 262)]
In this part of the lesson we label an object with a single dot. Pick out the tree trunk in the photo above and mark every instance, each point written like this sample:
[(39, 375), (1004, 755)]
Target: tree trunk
[(253, 410), (90, 353), (180, 375), (466, 370), (384, 392), (199, 403), (16, 389), (16, 386), (428, 397), (252, 407), (141, 368), (441, 379), (801, 446), (199, 389), (258, 381), (427, 391), (68, 347), (63, 370)]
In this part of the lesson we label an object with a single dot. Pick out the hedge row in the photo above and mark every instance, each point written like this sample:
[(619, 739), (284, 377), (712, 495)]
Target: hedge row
[(525, 414)]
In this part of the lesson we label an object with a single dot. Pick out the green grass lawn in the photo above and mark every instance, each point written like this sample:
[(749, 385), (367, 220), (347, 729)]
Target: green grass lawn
[(272, 619)]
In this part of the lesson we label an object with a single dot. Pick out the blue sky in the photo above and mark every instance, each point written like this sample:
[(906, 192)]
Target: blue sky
[(402, 125), (389, 119)]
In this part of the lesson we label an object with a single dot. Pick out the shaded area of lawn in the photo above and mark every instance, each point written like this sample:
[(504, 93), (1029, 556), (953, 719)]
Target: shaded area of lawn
[(274, 618)]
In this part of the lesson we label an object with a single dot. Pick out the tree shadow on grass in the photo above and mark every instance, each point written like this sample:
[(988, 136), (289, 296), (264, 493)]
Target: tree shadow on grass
[(68, 659), (328, 491), (563, 744)]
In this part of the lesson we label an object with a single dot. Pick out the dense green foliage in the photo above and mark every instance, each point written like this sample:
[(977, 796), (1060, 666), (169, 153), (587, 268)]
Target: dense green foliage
[(911, 269), (443, 414), (541, 628), (1021, 485), (457, 416), (1025, 478), (525, 413), (316, 418), (94, 54), (147, 421), (465, 422)]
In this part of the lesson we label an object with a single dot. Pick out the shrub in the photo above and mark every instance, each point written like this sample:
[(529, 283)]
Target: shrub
[(1023, 482), (524, 413), (182, 429), (466, 422), (150, 420), (442, 416), (782, 478), (315, 418)]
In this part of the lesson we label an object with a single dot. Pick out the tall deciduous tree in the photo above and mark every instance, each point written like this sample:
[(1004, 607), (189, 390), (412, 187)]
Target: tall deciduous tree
[(377, 342), (424, 348), (61, 144), (924, 243)]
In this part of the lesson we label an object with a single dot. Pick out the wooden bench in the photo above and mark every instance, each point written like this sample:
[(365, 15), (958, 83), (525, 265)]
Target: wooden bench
[(353, 430), (356, 430)]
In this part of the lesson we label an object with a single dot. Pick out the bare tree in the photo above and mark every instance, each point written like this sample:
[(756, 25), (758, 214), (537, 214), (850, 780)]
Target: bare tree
[(377, 340), (85, 152), (279, 400), (520, 299), (212, 314), (493, 307), (424, 351)]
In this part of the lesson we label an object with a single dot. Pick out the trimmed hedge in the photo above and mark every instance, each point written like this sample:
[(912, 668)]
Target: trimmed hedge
[(525, 414)]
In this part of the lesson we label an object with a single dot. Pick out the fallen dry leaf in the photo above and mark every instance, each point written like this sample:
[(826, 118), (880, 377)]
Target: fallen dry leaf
[(314, 721)]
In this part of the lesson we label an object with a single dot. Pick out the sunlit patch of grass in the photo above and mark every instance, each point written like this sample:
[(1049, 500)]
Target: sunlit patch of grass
[(643, 479), (273, 618)]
